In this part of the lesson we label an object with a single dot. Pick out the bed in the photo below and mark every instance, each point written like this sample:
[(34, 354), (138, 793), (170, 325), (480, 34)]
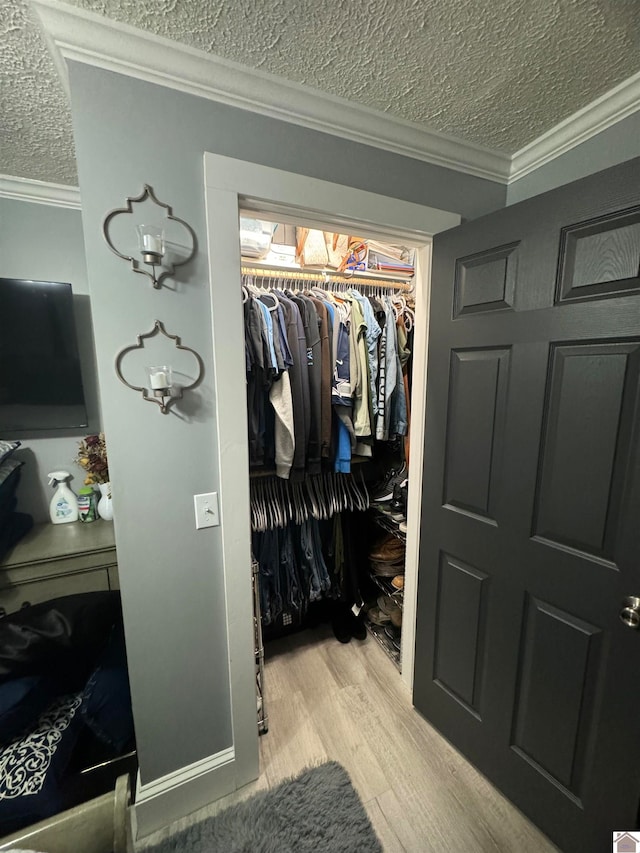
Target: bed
[(66, 727)]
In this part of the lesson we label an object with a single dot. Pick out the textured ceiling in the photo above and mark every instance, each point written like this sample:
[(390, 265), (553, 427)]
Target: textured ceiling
[(498, 73)]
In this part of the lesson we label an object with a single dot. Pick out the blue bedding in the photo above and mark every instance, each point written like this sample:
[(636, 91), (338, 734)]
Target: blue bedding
[(32, 765)]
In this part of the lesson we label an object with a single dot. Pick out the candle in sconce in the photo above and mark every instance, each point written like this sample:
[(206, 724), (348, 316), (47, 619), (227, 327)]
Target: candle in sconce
[(159, 378), (152, 244), (151, 241)]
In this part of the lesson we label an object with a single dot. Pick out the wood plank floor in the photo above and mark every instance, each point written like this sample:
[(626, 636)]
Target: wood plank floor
[(347, 703)]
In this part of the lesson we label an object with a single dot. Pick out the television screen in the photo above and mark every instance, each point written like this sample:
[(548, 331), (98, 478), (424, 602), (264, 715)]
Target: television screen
[(40, 379)]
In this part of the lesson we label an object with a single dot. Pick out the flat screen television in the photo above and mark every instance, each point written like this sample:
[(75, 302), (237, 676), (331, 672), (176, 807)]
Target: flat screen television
[(40, 378)]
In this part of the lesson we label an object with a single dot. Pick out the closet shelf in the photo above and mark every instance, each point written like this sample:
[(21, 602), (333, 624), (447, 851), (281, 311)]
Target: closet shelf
[(385, 585), (383, 519), (260, 473), (377, 632), (370, 278), (263, 719)]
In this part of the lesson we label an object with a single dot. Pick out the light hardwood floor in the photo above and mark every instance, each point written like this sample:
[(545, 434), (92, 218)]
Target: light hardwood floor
[(347, 703)]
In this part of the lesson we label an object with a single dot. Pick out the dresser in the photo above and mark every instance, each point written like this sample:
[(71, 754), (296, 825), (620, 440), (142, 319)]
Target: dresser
[(58, 559)]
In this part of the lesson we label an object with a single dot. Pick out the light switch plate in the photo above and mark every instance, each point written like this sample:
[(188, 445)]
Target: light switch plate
[(206, 509)]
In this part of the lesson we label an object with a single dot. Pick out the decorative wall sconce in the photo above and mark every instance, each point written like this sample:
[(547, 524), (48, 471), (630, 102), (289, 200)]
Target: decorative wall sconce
[(151, 239), (161, 389)]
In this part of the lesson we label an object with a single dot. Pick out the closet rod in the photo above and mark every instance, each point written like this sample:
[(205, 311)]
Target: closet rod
[(260, 473), (327, 278)]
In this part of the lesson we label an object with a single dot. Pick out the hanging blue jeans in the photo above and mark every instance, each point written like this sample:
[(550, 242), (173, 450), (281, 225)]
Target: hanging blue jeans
[(321, 566), (290, 583), (267, 553), (308, 563)]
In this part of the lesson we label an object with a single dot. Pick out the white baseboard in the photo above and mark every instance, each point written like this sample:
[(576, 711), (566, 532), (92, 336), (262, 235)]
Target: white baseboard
[(164, 800)]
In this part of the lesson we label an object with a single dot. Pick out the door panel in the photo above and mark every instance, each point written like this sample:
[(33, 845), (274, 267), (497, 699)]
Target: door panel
[(552, 716), (486, 281), (461, 621), (600, 258), (530, 537), (478, 385), (583, 462)]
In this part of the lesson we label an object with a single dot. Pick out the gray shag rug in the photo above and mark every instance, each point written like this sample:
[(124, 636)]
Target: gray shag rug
[(317, 812)]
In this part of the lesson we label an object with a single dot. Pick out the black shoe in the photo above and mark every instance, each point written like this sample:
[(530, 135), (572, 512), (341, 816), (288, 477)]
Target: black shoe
[(384, 492), (358, 630), (399, 501), (341, 625), (394, 634)]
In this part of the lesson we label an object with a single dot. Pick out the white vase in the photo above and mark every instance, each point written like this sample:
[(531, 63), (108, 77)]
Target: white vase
[(105, 504)]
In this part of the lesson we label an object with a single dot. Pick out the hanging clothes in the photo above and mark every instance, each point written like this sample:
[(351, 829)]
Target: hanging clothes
[(325, 377)]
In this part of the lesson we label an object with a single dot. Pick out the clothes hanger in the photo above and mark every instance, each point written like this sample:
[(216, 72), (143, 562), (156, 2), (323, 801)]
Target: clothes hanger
[(331, 485), (276, 491), (365, 491), (337, 481), (361, 493), (324, 499), (410, 319), (347, 493), (261, 507), (286, 492), (312, 498), (271, 515), (298, 503)]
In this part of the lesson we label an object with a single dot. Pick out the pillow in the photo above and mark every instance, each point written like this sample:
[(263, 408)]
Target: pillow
[(14, 526), (7, 448), (8, 489), (7, 507), (22, 700), (8, 467), (106, 701), (32, 766), (62, 632)]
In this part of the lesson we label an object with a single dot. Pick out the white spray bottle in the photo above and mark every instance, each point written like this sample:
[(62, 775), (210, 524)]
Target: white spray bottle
[(64, 504)]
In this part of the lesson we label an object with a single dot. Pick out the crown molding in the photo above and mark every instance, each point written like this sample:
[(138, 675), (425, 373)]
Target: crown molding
[(83, 36), (39, 192), (614, 106)]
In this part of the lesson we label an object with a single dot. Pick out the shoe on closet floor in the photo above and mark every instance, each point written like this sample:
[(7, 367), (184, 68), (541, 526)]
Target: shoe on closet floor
[(398, 582), (340, 623), (357, 626), (402, 527), (390, 549)]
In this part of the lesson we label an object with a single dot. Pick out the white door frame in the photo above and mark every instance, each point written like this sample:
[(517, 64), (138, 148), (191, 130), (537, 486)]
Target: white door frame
[(231, 186)]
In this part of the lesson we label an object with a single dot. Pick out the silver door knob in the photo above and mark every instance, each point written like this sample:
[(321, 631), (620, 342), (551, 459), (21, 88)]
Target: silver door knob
[(630, 613)]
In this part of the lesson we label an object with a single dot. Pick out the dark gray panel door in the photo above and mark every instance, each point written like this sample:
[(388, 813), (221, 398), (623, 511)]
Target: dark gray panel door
[(530, 537)]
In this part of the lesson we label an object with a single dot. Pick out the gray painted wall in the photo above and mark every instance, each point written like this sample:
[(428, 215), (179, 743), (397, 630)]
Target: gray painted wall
[(46, 243), (614, 145), (129, 133)]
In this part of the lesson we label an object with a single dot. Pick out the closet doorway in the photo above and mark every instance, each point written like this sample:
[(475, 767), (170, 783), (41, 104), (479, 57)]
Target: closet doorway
[(233, 188)]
